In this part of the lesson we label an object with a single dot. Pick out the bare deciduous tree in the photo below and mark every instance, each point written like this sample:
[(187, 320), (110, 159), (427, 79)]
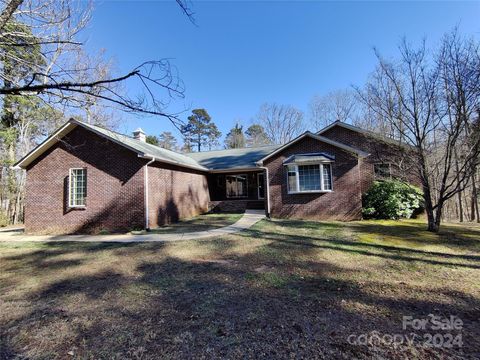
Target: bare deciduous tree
[(282, 123), (339, 105), (425, 100), (46, 71), (55, 27)]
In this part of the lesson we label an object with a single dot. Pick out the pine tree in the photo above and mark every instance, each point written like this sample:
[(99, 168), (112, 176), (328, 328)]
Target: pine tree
[(167, 141), (200, 130), (152, 139), (256, 136), (235, 138)]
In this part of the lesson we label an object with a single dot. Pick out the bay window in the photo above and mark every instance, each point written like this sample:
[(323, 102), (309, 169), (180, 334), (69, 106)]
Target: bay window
[(309, 178)]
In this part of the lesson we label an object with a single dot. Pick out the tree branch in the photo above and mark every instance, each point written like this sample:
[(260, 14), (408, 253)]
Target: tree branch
[(7, 13)]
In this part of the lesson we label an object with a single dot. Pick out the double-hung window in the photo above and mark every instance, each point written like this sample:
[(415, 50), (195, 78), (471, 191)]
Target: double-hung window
[(77, 187), (309, 178), (236, 186)]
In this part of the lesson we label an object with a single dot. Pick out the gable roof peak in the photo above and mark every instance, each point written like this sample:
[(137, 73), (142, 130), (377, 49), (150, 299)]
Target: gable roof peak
[(316, 137), (372, 134)]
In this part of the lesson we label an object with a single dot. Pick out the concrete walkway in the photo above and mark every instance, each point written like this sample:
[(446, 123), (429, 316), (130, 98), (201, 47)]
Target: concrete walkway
[(246, 221)]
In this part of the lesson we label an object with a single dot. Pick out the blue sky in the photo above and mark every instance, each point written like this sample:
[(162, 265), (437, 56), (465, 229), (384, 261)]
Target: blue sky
[(242, 54)]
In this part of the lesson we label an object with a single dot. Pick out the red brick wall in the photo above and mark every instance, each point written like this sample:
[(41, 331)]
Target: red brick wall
[(380, 152), (344, 203), (115, 199), (175, 193)]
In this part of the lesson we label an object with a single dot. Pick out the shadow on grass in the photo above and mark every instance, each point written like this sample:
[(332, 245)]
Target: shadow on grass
[(392, 252), (415, 234), (405, 232), (225, 307)]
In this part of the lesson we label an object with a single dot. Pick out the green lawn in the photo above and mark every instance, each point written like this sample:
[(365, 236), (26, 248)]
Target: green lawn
[(200, 223), (284, 289)]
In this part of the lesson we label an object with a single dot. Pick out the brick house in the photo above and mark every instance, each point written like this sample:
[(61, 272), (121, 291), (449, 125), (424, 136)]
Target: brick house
[(84, 178)]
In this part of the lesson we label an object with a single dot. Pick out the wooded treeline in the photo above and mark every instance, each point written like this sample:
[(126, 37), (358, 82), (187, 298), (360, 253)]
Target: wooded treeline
[(430, 100)]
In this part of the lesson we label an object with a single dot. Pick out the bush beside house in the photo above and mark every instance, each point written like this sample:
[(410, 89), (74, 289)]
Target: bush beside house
[(392, 199)]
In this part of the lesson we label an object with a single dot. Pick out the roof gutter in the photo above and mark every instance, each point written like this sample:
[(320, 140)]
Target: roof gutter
[(171, 162), (233, 170)]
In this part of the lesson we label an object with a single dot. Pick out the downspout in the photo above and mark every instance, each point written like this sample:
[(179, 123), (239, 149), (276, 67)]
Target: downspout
[(146, 191), (267, 182)]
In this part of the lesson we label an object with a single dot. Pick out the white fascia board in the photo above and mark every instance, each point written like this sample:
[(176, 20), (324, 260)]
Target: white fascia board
[(45, 145)]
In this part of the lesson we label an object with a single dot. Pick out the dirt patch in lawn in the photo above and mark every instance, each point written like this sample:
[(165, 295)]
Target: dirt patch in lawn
[(286, 289)]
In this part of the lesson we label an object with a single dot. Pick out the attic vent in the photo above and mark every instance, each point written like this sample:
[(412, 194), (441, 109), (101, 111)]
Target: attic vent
[(139, 134)]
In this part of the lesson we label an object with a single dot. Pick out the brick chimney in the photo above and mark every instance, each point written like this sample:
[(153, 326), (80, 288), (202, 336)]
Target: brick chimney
[(139, 134)]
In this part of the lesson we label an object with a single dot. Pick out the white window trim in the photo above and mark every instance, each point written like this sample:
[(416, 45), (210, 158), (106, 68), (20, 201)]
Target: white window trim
[(236, 197), (70, 205), (297, 179)]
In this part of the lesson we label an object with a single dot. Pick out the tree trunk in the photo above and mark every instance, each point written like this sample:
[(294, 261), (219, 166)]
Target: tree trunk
[(459, 194), (432, 220), (8, 11), (433, 226), (18, 207), (460, 206), (474, 202), (434, 217), (438, 218), (11, 182)]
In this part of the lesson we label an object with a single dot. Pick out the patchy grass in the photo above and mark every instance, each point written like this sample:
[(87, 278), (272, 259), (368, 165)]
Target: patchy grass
[(199, 223), (282, 289)]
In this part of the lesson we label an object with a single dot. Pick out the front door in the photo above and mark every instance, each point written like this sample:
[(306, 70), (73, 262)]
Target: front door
[(261, 185)]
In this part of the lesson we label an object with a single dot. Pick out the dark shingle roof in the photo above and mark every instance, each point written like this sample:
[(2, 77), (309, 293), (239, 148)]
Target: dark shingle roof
[(232, 158), (147, 149), (206, 160), (140, 147), (373, 134), (229, 159)]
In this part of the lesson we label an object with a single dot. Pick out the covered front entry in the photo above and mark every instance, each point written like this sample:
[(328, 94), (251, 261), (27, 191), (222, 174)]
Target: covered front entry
[(237, 191)]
